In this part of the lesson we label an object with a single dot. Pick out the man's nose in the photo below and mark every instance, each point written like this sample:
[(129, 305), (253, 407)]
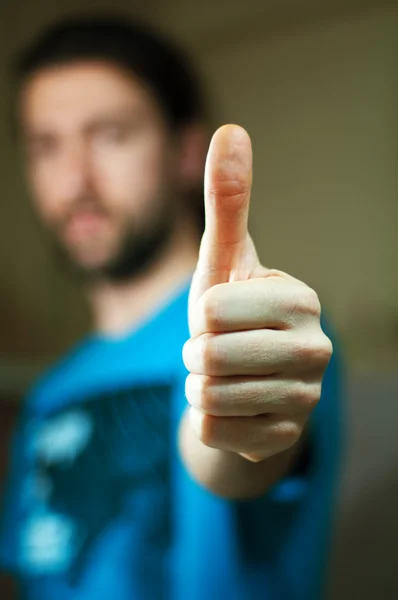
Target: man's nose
[(73, 173)]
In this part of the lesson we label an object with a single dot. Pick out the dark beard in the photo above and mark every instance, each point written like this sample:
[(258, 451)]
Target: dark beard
[(138, 250), (137, 253)]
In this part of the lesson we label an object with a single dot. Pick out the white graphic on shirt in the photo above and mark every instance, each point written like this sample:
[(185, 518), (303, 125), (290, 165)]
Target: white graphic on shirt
[(48, 543), (64, 438)]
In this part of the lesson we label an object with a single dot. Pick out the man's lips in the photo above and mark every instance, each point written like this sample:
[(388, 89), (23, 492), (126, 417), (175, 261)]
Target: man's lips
[(83, 225)]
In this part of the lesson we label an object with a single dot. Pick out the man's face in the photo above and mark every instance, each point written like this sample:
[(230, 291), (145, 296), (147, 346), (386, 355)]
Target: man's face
[(102, 164)]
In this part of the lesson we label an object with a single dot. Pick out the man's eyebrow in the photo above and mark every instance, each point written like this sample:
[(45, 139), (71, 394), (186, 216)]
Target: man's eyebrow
[(31, 134), (125, 117), (122, 117)]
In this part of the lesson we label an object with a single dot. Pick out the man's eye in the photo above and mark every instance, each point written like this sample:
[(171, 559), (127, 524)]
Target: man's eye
[(113, 134), (41, 149)]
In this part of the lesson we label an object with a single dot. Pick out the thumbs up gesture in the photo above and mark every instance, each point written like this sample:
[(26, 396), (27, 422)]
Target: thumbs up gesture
[(257, 353)]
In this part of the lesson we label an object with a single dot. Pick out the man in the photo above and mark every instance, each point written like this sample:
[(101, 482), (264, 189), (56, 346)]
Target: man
[(131, 479)]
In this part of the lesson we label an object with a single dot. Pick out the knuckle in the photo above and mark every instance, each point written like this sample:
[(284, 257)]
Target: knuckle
[(313, 349), (304, 349), (233, 189), (210, 308), (304, 301), (276, 273), (288, 433), (210, 358), (208, 433), (307, 396), (192, 389), (327, 348), (254, 457), (312, 302), (208, 397), (323, 350)]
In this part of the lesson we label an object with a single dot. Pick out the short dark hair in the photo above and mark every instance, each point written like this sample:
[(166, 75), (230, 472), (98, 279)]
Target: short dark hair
[(136, 47)]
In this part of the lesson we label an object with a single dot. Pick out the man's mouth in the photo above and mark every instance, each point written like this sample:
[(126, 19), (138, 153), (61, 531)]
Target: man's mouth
[(83, 225)]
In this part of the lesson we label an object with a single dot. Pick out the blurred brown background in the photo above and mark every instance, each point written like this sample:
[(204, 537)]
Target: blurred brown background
[(315, 84)]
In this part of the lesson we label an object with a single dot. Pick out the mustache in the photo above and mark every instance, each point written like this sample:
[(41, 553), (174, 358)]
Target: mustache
[(83, 205)]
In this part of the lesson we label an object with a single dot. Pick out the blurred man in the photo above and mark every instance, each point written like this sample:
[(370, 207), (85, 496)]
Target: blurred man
[(119, 487)]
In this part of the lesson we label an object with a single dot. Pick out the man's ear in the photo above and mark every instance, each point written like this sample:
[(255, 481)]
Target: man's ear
[(194, 143)]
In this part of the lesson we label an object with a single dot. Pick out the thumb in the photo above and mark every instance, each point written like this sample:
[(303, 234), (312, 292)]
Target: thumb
[(226, 248), (228, 178)]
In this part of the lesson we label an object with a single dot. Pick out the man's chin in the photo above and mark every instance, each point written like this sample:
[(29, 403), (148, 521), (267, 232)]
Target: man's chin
[(90, 268), (90, 256), (84, 265), (117, 260)]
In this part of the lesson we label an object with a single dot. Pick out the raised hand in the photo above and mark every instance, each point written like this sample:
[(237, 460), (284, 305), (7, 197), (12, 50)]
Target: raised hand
[(257, 353)]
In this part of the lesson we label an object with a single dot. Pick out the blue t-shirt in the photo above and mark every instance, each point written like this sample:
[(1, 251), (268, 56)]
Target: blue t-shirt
[(100, 506)]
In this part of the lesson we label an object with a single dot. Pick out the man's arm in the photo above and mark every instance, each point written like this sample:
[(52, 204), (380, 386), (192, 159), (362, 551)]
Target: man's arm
[(228, 474)]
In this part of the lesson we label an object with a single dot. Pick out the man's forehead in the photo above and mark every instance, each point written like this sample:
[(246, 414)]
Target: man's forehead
[(71, 94)]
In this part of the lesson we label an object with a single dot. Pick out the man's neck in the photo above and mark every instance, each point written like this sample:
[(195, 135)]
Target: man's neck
[(119, 307)]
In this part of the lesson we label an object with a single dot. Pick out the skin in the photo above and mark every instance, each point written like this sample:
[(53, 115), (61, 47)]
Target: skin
[(257, 353), (101, 163)]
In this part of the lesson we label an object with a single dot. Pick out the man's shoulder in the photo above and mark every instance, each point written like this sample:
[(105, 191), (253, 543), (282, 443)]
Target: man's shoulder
[(58, 373), (100, 364)]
